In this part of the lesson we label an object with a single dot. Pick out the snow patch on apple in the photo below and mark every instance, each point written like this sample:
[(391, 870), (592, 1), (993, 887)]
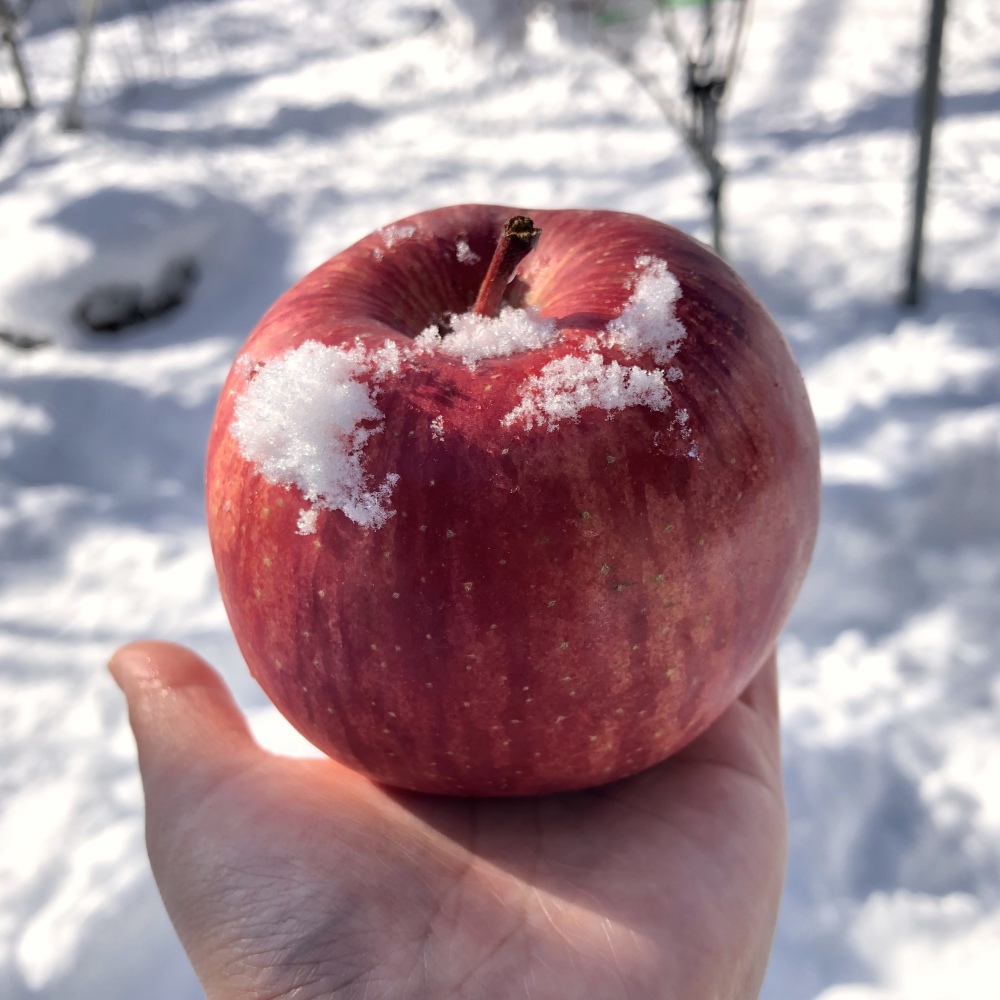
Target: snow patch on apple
[(648, 321), (465, 254), (647, 324), (391, 235), (569, 384), (304, 420), (308, 518), (474, 338)]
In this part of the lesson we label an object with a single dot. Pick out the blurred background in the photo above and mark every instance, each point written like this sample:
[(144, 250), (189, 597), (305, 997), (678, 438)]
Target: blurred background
[(168, 168)]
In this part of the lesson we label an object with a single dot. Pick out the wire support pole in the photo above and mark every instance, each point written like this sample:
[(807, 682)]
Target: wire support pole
[(930, 98)]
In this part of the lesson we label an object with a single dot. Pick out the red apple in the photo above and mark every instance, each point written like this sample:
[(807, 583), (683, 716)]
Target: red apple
[(524, 568)]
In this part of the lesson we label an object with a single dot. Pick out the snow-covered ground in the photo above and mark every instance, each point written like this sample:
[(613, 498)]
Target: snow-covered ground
[(259, 138)]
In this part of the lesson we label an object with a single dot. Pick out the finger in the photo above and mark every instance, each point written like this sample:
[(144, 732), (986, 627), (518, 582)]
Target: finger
[(761, 697), (747, 735), (187, 727), (761, 694)]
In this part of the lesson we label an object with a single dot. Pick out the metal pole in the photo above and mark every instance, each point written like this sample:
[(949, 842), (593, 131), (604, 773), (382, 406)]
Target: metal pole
[(929, 100), (73, 120)]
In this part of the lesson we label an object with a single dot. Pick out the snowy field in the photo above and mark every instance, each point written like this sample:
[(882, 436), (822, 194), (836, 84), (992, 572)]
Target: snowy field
[(257, 139)]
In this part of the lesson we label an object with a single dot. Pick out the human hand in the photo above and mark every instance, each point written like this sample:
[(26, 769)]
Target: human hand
[(292, 879)]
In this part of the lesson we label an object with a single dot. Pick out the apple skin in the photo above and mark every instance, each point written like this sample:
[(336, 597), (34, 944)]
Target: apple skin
[(546, 610)]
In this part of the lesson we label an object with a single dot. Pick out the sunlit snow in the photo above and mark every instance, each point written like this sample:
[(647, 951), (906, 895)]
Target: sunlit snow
[(258, 139)]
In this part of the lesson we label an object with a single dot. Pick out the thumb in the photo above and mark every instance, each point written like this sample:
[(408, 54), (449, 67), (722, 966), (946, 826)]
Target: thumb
[(189, 732)]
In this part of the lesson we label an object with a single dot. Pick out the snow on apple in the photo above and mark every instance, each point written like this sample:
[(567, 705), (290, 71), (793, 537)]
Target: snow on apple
[(473, 337), (304, 421), (567, 386), (391, 235), (465, 254), (649, 322)]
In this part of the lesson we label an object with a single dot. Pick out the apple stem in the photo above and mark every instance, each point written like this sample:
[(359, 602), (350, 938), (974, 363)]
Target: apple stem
[(516, 241)]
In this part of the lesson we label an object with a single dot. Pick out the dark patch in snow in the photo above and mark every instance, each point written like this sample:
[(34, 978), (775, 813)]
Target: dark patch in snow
[(110, 308), (327, 123), (888, 113), (22, 341)]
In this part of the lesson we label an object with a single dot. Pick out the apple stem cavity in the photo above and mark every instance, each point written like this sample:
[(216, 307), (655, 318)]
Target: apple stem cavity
[(516, 242)]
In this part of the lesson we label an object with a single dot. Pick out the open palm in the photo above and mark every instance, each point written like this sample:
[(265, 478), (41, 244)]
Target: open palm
[(299, 879)]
